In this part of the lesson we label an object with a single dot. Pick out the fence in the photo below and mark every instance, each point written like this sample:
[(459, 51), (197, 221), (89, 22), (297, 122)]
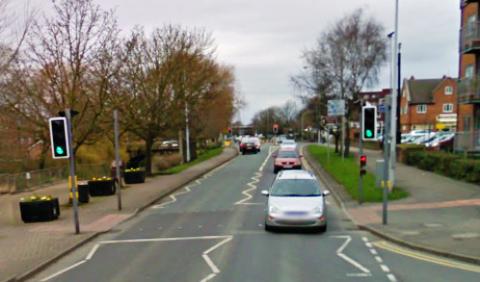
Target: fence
[(467, 141), (36, 179)]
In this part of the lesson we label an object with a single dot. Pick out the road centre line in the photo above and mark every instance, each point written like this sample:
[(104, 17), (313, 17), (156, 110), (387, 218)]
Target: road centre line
[(206, 258), (391, 277), (379, 260), (364, 271), (428, 258)]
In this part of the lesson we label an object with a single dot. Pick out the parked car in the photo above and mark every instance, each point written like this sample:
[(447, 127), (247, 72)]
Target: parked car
[(296, 199), (286, 159), (441, 140), (250, 144)]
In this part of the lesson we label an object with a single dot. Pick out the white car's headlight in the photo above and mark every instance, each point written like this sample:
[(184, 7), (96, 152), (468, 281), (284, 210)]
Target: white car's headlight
[(273, 210)]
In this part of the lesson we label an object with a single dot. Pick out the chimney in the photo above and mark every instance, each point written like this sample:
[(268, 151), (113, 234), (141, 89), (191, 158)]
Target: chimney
[(412, 77)]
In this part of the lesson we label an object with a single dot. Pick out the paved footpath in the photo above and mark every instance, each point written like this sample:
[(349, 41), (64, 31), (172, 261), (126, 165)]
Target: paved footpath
[(441, 215), (29, 247)]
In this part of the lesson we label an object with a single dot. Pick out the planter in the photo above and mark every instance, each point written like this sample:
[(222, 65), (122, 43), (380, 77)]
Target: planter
[(101, 187), (83, 192), (39, 210), (134, 176)]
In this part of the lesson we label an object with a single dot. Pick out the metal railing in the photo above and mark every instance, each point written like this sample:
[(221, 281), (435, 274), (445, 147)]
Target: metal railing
[(469, 90), (467, 141), (470, 37), (36, 179)]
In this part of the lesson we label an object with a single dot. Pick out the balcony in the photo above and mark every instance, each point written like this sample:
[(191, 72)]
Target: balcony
[(469, 91), (470, 38), (464, 3), (467, 141)]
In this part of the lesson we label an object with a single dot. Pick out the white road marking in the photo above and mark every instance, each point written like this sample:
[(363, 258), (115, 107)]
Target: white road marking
[(384, 268), (210, 263), (379, 260), (364, 271), (63, 271), (391, 277), (255, 180)]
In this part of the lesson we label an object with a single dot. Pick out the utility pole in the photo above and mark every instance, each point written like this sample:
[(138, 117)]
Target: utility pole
[(73, 181), (360, 154), (117, 159), (393, 112), (399, 93), (187, 134)]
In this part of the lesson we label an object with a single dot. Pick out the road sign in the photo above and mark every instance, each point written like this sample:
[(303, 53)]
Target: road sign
[(381, 108), (336, 108), (59, 137)]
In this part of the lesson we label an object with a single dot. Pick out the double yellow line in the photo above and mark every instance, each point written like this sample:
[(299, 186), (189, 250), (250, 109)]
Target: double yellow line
[(421, 256)]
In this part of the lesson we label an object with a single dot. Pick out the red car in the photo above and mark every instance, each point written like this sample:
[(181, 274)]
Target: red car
[(286, 159)]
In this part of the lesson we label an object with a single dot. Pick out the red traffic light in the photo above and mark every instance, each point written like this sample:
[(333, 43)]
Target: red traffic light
[(363, 160), (230, 130)]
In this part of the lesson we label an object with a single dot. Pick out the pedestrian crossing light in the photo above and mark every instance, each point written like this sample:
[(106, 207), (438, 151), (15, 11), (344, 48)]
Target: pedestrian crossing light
[(59, 137), (369, 123)]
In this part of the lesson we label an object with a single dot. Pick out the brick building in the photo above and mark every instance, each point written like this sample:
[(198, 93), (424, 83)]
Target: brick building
[(468, 136), (428, 104)]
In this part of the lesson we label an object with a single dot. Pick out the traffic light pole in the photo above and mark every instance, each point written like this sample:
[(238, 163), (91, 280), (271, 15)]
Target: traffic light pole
[(360, 154), (73, 181), (117, 159)]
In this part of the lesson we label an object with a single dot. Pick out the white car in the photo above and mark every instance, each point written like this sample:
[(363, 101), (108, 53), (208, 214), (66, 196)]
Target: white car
[(296, 199), (288, 144)]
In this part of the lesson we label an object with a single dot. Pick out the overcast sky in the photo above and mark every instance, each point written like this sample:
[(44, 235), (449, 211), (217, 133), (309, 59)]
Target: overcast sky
[(263, 39)]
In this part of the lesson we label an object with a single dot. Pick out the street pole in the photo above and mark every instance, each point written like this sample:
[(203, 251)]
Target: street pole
[(394, 94), (360, 153), (73, 181), (187, 134), (399, 93), (117, 159)]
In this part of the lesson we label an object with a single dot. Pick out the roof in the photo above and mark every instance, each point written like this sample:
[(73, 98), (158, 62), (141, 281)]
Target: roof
[(421, 90), (295, 174)]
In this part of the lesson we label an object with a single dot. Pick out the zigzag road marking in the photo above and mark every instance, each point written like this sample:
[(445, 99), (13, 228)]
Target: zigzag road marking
[(197, 182), (205, 255), (254, 182)]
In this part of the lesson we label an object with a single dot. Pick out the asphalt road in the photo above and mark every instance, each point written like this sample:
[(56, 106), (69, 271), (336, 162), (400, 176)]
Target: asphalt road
[(212, 230)]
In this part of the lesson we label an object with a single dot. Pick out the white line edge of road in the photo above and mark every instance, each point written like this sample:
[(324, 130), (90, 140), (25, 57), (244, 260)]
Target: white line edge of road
[(364, 271), (210, 263)]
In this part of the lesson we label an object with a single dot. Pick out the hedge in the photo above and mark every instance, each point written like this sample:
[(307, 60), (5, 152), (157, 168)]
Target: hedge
[(450, 165)]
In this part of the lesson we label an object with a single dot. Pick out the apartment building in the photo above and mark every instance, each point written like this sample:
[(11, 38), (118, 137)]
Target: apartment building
[(468, 136)]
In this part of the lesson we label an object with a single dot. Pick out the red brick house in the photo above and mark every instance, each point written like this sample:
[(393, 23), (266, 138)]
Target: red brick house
[(428, 104), (468, 135)]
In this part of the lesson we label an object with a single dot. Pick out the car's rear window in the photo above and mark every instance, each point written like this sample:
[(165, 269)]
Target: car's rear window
[(287, 154), (295, 188)]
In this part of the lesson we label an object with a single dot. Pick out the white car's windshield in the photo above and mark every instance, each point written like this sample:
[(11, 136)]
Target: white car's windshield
[(296, 188)]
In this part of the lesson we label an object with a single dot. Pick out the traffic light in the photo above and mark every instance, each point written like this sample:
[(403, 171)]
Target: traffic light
[(369, 126), (59, 137), (363, 164)]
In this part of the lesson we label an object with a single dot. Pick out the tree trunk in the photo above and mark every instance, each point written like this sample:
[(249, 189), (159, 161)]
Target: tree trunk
[(347, 134), (148, 156), (43, 155)]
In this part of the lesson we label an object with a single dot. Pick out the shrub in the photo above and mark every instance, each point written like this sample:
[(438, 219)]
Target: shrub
[(166, 161)]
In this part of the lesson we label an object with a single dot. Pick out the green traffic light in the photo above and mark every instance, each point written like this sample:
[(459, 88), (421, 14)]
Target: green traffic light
[(368, 133), (59, 150)]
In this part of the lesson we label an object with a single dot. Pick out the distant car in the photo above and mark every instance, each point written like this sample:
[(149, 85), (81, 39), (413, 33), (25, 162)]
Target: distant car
[(286, 159), (288, 144), (250, 144), (169, 145), (296, 199)]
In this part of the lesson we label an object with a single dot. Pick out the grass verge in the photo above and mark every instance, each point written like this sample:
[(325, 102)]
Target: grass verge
[(205, 155), (346, 172)]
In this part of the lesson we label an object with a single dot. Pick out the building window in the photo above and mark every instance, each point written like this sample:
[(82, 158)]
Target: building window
[(469, 71), (447, 108), (422, 109), (448, 90)]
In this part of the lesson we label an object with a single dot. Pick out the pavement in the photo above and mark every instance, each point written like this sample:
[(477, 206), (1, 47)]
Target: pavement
[(212, 230), (441, 216), (28, 248)]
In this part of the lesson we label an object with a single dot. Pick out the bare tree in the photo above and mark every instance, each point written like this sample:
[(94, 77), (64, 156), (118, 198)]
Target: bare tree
[(69, 63), (346, 58)]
